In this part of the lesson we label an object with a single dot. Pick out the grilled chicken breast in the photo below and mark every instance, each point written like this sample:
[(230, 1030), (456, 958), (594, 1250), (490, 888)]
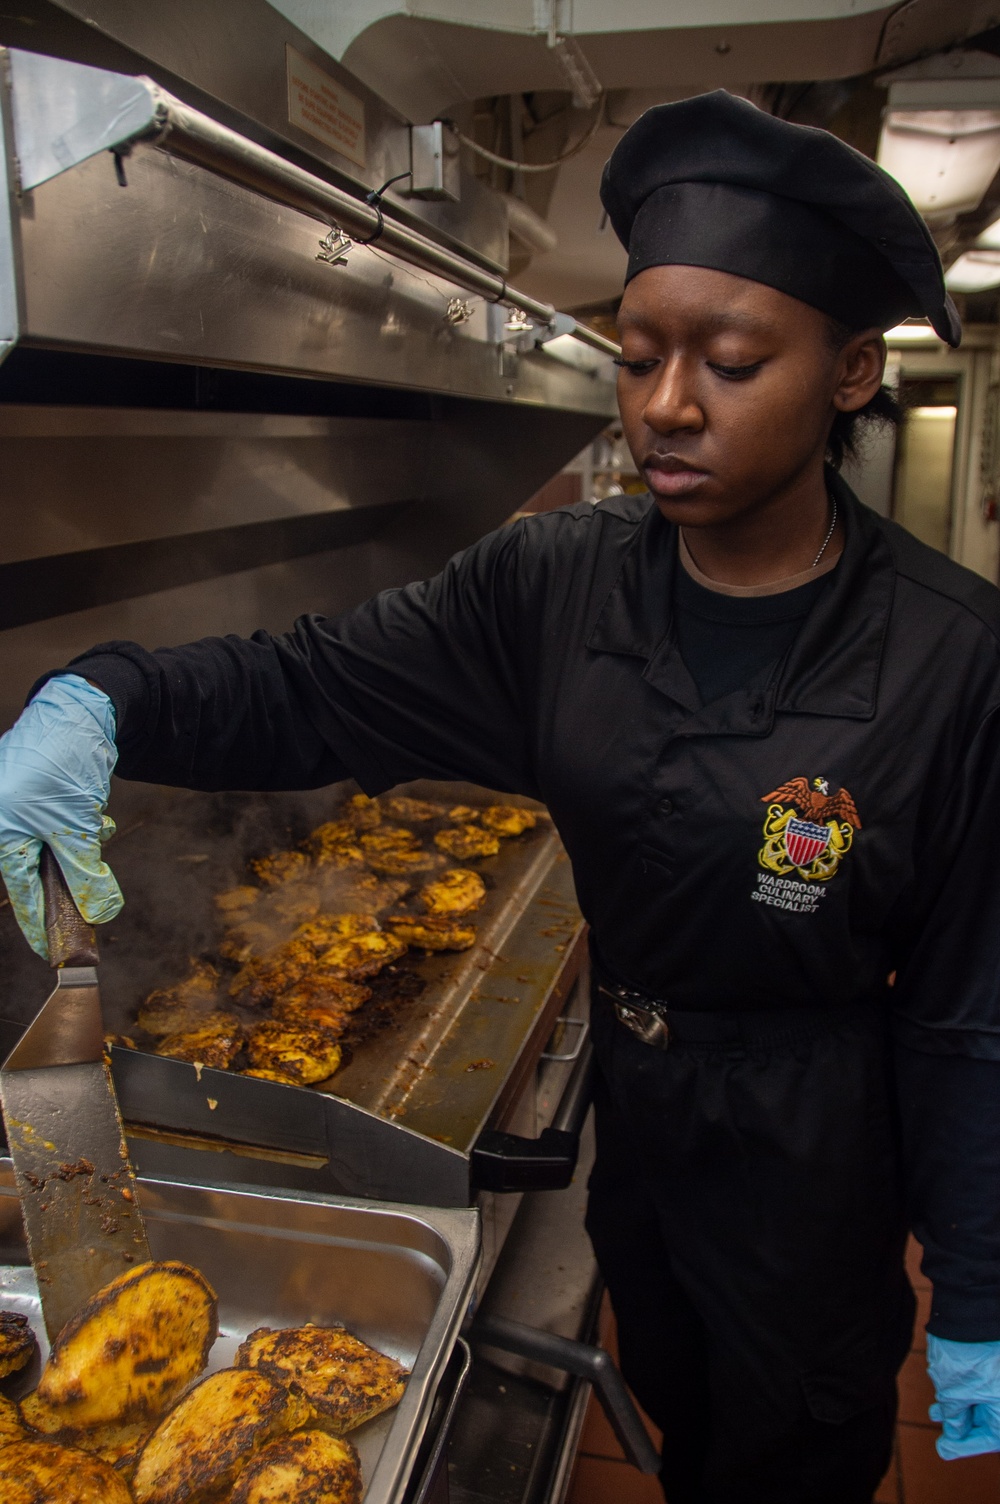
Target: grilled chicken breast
[(399, 807), (335, 846), (237, 900), (311, 1467), (132, 1347), (508, 819), (11, 1426), (467, 842), (345, 1380), (361, 812), (370, 895), (360, 956), (199, 1450), (432, 931), (456, 892), (42, 1472), (300, 1052), (215, 1041), (326, 928), (280, 867), (116, 1443), (17, 1342), (169, 1009)]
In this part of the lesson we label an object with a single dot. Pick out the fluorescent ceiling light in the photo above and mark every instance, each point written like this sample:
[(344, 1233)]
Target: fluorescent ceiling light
[(912, 334), (945, 159), (976, 271), (951, 413)]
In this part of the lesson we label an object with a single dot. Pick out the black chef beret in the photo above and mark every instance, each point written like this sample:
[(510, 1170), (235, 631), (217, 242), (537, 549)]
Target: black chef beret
[(714, 181)]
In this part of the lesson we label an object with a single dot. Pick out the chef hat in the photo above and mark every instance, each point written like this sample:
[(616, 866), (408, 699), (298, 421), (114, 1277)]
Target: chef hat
[(714, 181)]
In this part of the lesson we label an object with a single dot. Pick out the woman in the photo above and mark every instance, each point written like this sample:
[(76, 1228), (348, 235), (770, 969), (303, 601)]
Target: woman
[(765, 722)]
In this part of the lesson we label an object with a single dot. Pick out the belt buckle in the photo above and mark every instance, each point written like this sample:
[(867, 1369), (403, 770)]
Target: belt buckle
[(646, 1025)]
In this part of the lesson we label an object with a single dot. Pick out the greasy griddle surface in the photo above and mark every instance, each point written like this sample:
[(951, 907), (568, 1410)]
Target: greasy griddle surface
[(434, 1046)]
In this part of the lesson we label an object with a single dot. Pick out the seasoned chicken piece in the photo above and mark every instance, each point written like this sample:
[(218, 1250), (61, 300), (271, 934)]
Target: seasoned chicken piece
[(209, 1437), (361, 812), (334, 845), (245, 941), (345, 1380), (17, 1341), (323, 992), (310, 1467), (370, 895), (399, 807), (467, 842), (215, 1042), (11, 1427), (168, 1009), (297, 902), (236, 900), (266, 977), (359, 956), (508, 820), (281, 867), (303, 1054), (115, 1442), (432, 932), (403, 861), (132, 1347), (463, 814), (322, 931), (42, 1472), (264, 1073), (457, 891), (388, 838)]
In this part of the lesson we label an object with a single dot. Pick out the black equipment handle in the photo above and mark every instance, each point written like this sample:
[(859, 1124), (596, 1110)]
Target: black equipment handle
[(508, 1162), (71, 939), (584, 1362)]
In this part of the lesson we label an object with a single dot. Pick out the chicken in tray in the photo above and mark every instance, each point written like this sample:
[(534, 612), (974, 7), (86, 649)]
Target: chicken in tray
[(123, 1414), (346, 1381)]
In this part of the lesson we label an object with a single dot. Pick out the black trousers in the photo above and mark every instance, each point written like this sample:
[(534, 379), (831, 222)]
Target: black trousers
[(746, 1212)]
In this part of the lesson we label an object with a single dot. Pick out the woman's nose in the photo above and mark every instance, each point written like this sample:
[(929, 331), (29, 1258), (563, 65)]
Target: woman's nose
[(674, 406)]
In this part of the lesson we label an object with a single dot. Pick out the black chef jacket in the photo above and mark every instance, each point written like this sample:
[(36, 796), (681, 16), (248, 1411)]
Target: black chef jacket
[(788, 845)]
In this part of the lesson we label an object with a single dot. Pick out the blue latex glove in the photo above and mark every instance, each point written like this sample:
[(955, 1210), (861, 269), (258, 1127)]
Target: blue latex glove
[(55, 777), (966, 1378)]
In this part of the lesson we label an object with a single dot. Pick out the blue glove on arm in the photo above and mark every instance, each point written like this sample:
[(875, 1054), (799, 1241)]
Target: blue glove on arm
[(55, 777), (966, 1378)]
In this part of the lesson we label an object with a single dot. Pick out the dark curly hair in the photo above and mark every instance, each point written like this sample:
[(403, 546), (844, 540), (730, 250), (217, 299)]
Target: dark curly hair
[(849, 429)]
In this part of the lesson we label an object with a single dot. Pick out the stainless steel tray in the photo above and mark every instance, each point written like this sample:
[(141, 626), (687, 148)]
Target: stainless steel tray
[(399, 1277)]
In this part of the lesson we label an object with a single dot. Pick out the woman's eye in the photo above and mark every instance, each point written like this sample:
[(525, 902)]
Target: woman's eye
[(735, 373), (635, 367)]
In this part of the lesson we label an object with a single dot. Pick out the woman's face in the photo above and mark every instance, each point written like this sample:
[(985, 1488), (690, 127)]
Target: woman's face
[(728, 389)]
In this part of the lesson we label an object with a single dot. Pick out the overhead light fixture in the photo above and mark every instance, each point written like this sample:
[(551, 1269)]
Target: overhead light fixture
[(976, 271), (912, 334), (941, 135)]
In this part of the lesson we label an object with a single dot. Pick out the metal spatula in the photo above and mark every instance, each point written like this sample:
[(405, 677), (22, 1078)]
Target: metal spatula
[(76, 1185)]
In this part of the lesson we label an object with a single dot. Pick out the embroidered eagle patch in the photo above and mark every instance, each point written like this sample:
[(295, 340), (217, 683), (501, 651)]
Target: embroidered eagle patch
[(807, 829)]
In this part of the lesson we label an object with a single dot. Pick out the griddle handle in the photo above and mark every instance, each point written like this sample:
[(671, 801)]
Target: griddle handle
[(71, 939), (509, 1162), (583, 1362)]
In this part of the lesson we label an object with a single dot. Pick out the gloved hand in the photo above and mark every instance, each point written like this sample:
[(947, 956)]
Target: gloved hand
[(55, 777), (966, 1378)]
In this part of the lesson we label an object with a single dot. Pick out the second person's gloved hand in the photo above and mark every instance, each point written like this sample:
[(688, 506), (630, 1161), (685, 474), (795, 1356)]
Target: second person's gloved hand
[(55, 777), (966, 1378)]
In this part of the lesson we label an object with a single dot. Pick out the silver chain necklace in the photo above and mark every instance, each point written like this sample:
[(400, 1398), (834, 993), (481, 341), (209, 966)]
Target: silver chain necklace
[(829, 535)]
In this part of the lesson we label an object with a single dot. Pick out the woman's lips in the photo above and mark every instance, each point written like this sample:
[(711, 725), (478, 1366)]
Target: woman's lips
[(672, 477)]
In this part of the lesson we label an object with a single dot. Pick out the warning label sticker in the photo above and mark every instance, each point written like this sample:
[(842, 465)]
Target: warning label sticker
[(322, 108)]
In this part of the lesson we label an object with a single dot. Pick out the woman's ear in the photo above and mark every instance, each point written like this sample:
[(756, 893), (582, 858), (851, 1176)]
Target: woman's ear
[(860, 369)]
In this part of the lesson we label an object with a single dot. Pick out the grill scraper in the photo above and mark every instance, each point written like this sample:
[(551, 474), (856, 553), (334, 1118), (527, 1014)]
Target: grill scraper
[(76, 1185)]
